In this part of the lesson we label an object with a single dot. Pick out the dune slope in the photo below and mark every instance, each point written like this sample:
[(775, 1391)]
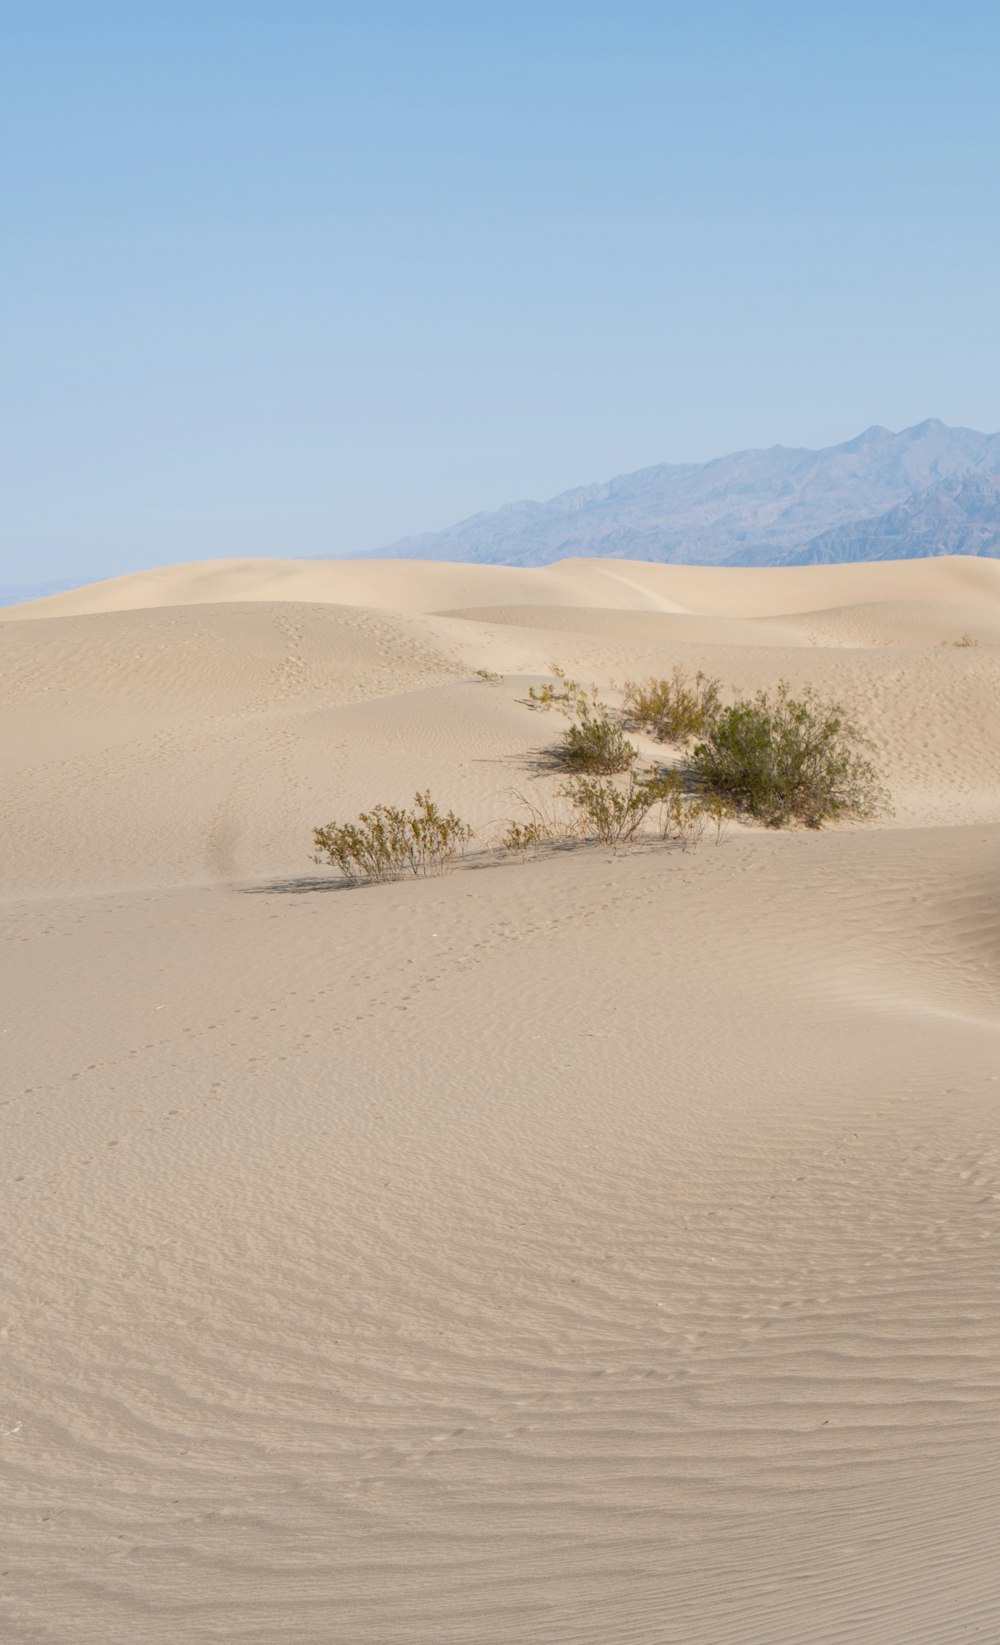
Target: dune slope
[(592, 1250)]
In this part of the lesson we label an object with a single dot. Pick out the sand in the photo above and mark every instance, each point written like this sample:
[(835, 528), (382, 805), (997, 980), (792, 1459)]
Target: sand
[(601, 1249)]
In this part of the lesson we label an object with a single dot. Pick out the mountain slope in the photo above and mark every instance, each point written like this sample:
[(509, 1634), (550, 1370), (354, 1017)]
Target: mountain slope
[(956, 516), (752, 507)]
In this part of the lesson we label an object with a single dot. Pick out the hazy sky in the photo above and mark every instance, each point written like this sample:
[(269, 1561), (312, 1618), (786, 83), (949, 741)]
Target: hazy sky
[(293, 278)]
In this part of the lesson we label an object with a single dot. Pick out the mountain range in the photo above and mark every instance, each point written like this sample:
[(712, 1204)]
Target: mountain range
[(928, 490)]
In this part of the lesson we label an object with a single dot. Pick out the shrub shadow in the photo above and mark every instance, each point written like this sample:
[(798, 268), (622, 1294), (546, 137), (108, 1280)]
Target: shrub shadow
[(310, 884)]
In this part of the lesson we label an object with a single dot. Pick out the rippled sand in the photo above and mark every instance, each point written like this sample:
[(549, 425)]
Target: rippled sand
[(597, 1250)]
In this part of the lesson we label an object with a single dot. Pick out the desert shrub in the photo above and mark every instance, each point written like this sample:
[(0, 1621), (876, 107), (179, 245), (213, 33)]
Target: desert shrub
[(963, 643), (487, 676), (388, 841), (779, 757), (596, 743), (673, 710), (685, 818), (614, 813)]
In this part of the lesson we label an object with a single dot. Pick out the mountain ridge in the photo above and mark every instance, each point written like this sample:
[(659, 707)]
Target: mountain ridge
[(769, 506)]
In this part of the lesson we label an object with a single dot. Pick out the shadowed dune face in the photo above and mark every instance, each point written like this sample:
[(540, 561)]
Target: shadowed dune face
[(598, 1249)]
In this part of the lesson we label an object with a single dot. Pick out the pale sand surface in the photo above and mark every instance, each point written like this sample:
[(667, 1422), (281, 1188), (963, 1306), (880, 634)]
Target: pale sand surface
[(601, 1249)]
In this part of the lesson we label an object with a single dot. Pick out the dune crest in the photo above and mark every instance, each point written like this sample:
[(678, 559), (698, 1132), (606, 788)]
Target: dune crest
[(424, 586)]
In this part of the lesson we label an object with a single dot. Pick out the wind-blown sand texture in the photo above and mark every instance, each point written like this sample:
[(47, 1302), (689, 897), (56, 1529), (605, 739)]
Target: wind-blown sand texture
[(600, 1250)]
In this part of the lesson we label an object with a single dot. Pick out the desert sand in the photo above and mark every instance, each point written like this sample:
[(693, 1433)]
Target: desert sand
[(600, 1250)]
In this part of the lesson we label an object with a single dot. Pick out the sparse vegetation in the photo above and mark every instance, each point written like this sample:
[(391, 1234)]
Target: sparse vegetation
[(685, 818), (569, 696), (388, 842), (780, 758), (962, 643), (614, 813), (524, 837), (772, 757), (487, 676), (673, 710)]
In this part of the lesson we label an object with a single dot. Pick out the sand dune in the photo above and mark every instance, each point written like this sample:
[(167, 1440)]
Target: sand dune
[(602, 1249), (418, 586)]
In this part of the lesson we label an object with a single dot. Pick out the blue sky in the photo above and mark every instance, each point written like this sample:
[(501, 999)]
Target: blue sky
[(303, 278)]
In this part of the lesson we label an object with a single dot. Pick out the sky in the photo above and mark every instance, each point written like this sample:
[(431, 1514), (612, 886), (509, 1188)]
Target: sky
[(298, 278)]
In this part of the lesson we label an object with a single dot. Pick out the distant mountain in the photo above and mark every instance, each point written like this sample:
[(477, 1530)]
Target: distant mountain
[(956, 516), (779, 506)]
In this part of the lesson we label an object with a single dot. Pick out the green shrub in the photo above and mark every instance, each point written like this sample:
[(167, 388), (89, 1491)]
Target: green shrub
[(779, 757), (387, 842), (597, 743), (673, 710), (487, 676)]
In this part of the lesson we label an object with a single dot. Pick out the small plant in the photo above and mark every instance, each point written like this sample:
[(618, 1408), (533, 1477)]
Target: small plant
[(613, 813), (569, 696), (717, 812), (780, 758), (387, 842), (597, 743), (962, 643), (524, 837), (487, 676), (673, 710)]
